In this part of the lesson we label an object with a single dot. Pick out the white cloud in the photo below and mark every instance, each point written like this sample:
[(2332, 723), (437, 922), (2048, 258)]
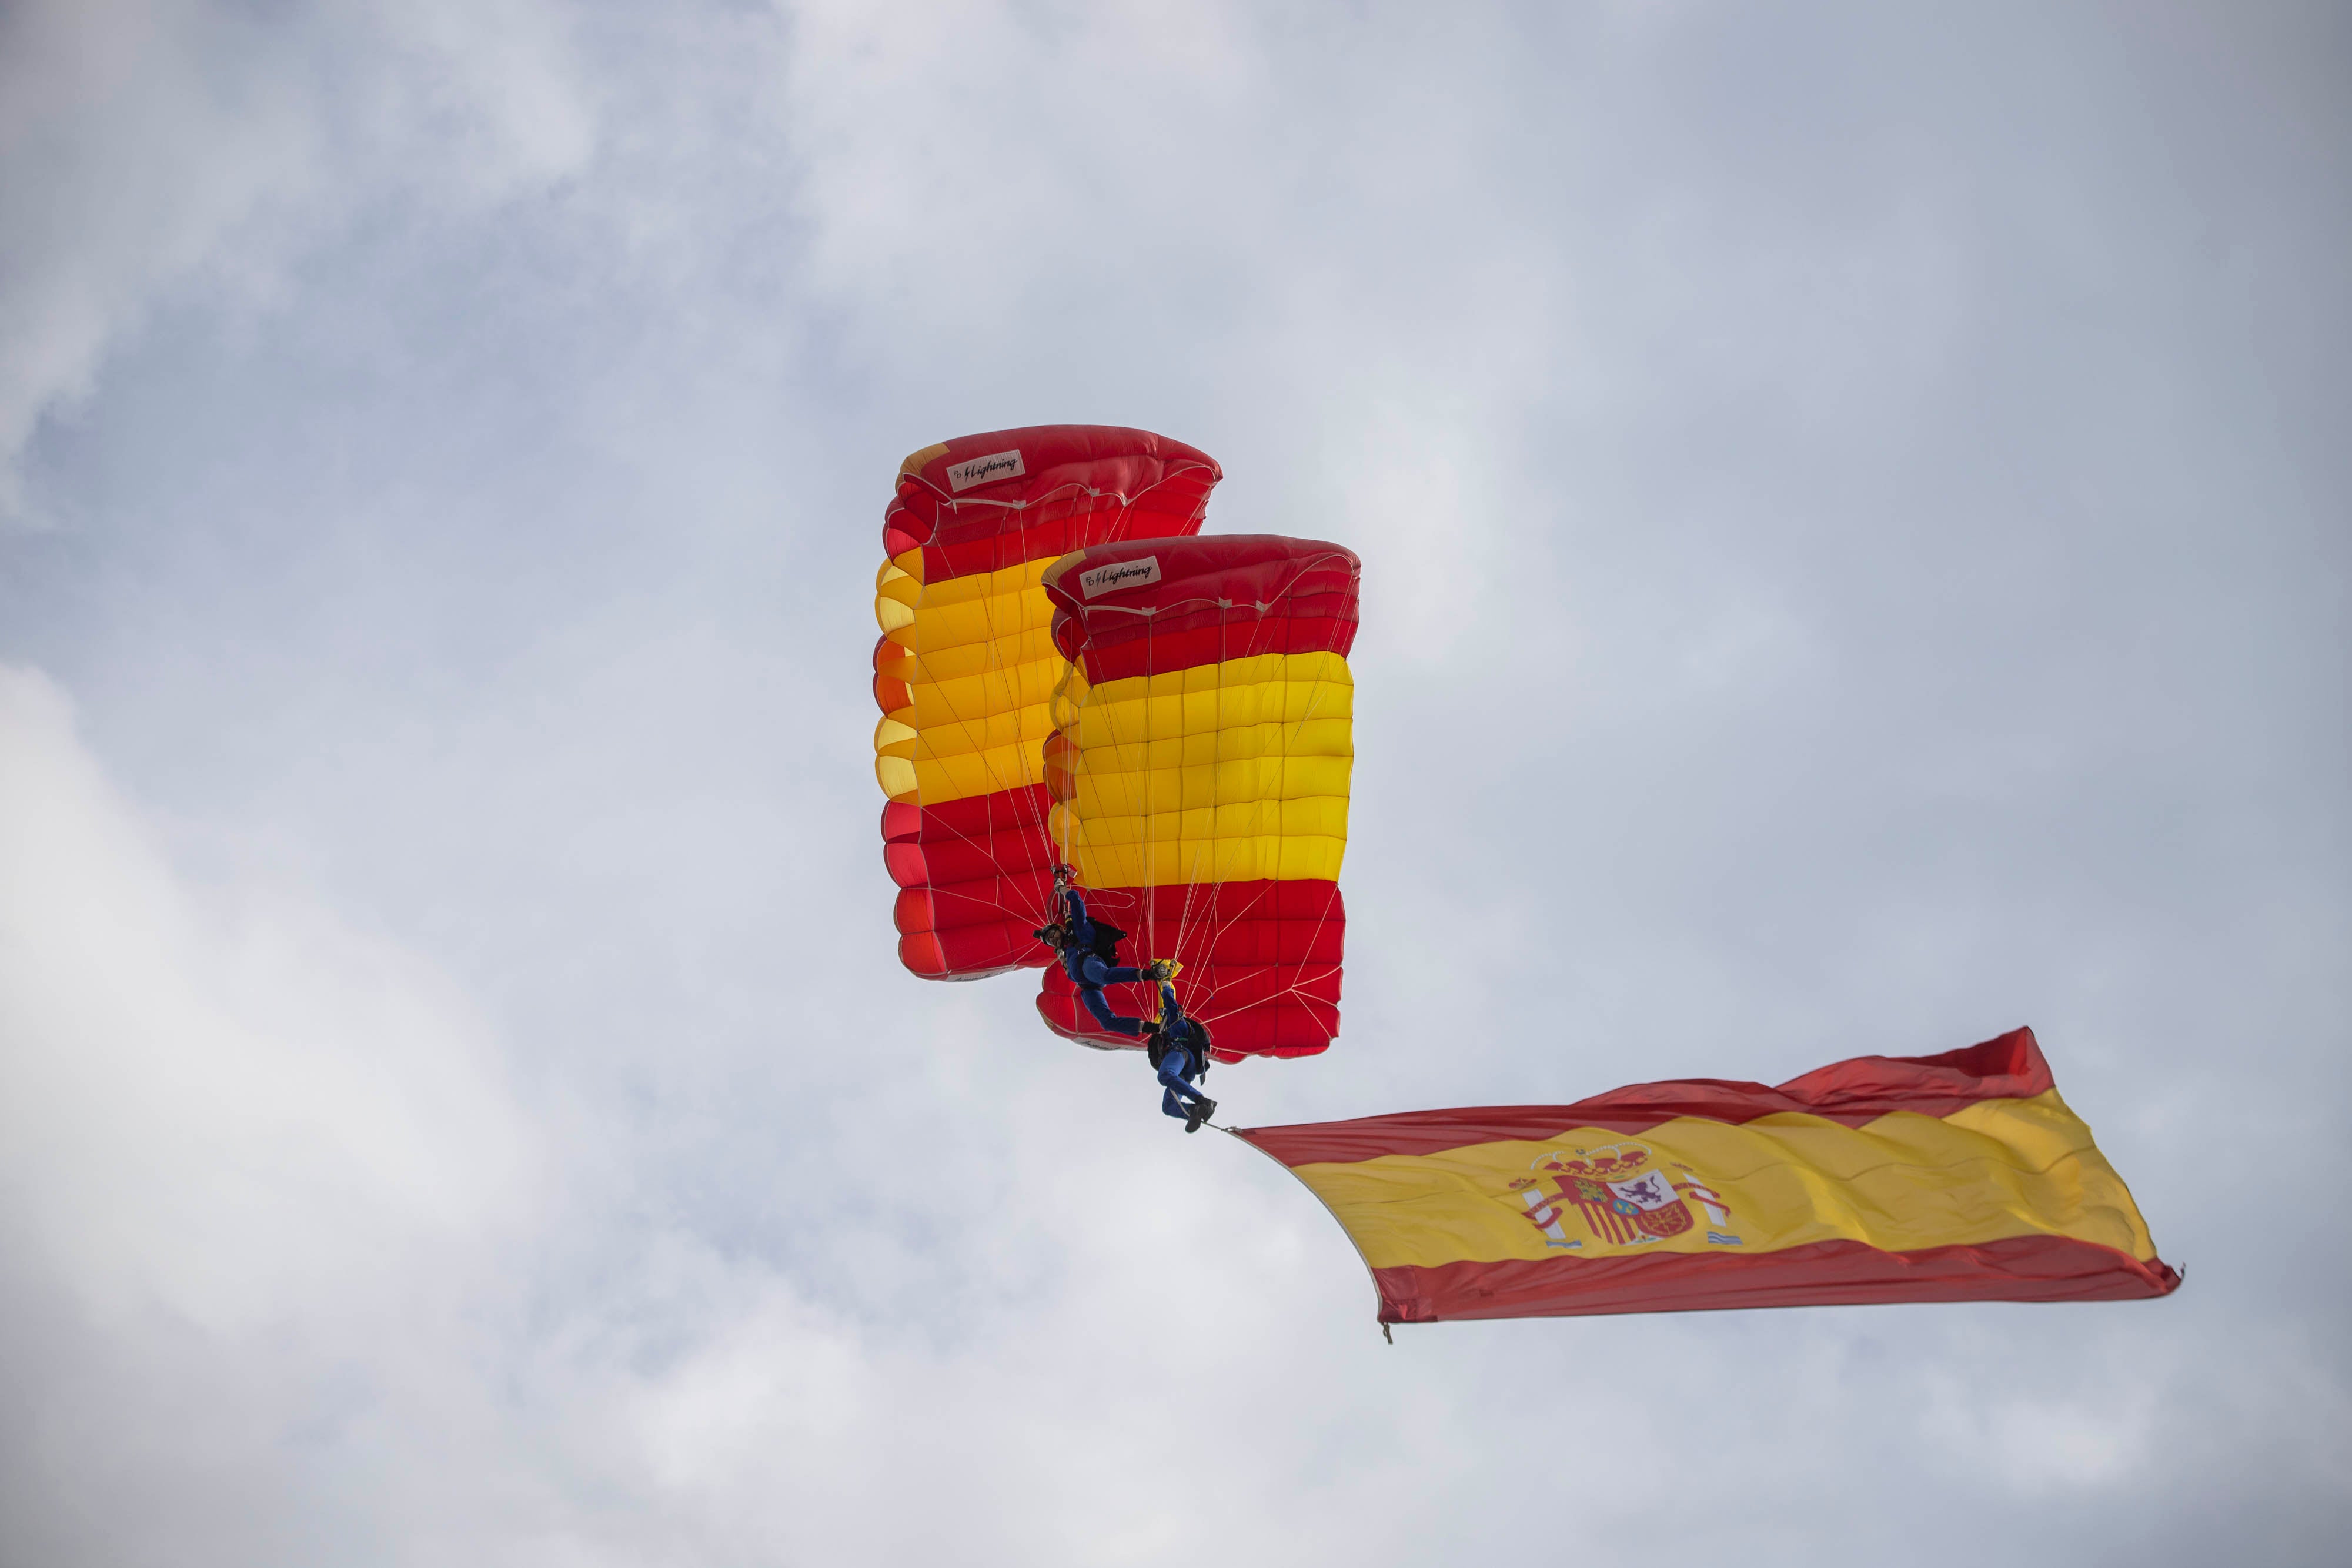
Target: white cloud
[(146, 141), (216, 1111), (245, 1152)]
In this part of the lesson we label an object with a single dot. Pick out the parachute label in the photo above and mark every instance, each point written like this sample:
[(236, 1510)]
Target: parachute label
[(1120, 574), (963, 476)]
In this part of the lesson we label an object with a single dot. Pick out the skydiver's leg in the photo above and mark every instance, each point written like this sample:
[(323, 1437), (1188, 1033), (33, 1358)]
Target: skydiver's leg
[(1171, 1080), (1092, 996), (1201, 1107), (1171, 1107), (1122, 974)]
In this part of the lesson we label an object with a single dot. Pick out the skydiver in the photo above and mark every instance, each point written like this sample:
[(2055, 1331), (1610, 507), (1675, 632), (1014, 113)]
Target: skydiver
[(1088, 950), (1179, 1051)]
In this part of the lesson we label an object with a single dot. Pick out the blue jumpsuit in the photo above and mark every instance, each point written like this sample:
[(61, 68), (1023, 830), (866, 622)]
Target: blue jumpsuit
[(1089, 972), (1187, 1059)]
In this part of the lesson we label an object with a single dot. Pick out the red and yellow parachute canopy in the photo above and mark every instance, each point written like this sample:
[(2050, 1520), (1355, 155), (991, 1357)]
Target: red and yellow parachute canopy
[(1198, 770), (965, 667)]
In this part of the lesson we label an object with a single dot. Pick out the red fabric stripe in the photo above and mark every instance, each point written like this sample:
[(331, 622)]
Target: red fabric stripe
[(1285, 1029), (981, 836), (1005, 828), (963, 951), (1820, 1274), (1853, 1092), (1261, 964), (1081, 484), (1228, 596), (975, 878)]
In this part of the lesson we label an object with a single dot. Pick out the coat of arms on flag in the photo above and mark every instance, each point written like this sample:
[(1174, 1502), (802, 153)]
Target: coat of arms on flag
[(1622, 1199)]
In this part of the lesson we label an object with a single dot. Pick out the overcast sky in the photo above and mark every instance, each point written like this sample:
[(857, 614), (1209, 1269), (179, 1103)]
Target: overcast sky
[(1853, 505)]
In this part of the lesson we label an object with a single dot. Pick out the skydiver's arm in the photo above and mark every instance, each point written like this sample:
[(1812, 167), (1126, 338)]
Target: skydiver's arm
[(1079, 925)]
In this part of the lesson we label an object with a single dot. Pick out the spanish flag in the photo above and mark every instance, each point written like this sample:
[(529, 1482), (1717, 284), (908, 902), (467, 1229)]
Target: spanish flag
[(1960, 1177)]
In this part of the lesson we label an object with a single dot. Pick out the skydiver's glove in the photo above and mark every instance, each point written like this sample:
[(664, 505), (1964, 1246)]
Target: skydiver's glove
[(1063, 877)]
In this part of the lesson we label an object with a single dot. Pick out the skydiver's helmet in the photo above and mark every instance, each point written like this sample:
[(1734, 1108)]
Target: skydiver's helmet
[(1053, 935)]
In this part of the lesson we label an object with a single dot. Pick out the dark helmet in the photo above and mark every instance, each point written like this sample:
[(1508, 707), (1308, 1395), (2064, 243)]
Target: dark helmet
[(1053, 935)]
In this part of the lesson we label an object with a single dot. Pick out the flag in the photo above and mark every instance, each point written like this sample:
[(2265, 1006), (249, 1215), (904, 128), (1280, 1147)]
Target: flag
[(1957, 1177)]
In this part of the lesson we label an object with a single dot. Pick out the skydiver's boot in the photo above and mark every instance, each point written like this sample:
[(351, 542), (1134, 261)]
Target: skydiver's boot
[(1201, 1111)]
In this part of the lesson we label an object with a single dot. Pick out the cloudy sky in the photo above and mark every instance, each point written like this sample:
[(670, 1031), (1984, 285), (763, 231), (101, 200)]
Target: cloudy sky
[(1854, 506)]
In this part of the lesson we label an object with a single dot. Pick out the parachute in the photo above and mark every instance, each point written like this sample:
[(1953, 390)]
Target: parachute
[(1199, 773), (1069, 674), (965, 667)]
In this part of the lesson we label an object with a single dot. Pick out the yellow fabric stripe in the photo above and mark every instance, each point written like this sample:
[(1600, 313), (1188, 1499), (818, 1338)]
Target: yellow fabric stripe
[(1996, 1169), (915, 460), (1237, 771), (944, 710), (978, 657)]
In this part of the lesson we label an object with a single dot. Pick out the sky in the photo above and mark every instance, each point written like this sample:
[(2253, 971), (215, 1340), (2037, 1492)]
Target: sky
[(1854, 512)]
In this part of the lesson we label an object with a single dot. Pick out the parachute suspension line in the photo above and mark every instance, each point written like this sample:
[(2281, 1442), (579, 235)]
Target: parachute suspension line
[(1121, 531), (1199, 901), (1200, 852), (1042, 802), (973, 727), (980, 731), (1218, 927), (1149, 897), (1290, 732), (1184, 861), (1027, 810), (1034, 810), (1323, 916), (1219, 919)]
